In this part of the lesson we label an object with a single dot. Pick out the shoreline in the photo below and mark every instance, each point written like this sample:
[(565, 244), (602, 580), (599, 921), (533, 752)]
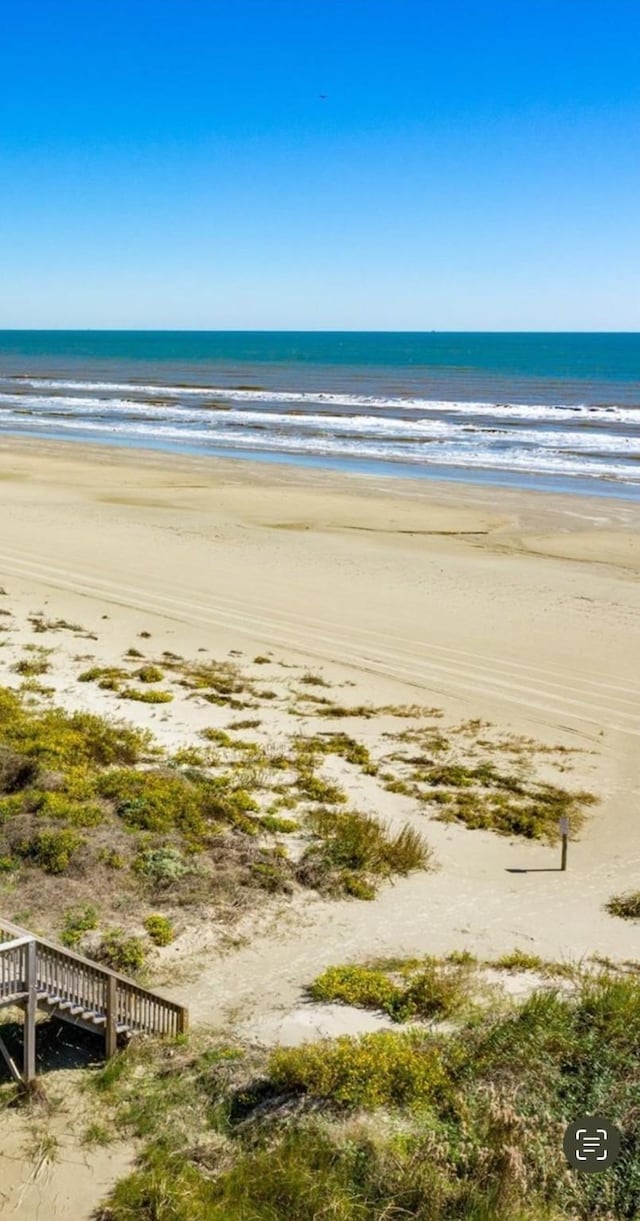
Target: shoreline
[(485, 477), (237, 469)]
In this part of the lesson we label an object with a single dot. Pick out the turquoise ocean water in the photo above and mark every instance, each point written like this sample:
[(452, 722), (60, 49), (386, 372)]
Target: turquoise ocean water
[(556, 411)]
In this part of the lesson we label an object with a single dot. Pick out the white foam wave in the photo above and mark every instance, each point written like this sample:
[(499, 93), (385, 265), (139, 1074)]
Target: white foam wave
[(537, 411), (280, 423), (482, 455)]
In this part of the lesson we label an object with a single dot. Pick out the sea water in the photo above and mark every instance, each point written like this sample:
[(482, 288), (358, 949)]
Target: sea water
[(559, 411)]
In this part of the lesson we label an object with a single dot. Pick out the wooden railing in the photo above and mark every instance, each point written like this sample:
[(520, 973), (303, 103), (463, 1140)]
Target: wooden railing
[(79, 986), (13, 969)]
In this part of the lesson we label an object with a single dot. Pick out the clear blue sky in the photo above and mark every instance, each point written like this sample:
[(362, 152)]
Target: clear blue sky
[(170, 163)]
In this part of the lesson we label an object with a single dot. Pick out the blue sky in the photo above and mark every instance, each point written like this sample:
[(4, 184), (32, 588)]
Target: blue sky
[(170, 163)]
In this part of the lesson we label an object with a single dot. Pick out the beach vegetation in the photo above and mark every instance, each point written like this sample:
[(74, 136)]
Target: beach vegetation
[(430, 989), (51, 850), (97, 1135), (519, 960), (350, 845), (149, 674), (375, 1070), (112, 858), (145, 697), (107, 677), (278, 826), (36, 664), (316, 788), (33, 686), (190, 756), (160, 929), (340, 712), (341, 744), (219, 737), (627, 906), (40, 623), (133, 652), (313, 680), (163, 866), (221, 677), (154, 800), (78, 921), (125, 954), (463, 1124), (272, 871)]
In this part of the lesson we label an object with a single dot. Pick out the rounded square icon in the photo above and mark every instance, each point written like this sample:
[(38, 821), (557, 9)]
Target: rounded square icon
[(592, 1143)]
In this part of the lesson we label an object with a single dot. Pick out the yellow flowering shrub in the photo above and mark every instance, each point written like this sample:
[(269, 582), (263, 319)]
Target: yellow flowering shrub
[(381, 1069)]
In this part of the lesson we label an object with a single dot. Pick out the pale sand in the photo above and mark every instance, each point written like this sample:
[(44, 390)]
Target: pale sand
[(518, 608)]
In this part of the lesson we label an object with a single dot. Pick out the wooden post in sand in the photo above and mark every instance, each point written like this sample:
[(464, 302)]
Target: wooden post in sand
[(564, 831)]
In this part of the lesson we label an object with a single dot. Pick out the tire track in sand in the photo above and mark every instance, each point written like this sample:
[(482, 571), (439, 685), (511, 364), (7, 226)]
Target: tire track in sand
[(420, 664)]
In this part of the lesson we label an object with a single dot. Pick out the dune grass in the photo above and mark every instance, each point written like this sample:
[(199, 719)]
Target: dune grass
[(352, 852), (432, 990), (458, 1126), (82, 796), (627, 906)]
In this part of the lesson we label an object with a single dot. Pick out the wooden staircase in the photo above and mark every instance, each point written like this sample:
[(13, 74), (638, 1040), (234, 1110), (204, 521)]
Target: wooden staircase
[(38, 975)]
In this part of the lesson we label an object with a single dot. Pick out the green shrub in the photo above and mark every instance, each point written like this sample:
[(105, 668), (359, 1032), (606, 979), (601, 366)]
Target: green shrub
[(519, 960), (219, 736), (355, 985), (627, 906), (146, 697), (112, 858), (66, 808), (342, 744), (271, 871), (160, 929), (51, 850), (314, 788), (430, 990), (189, 756), (162, 866), (107, 677), (284, 826), (77, 921), (54, 739), (32, 667), (122, 953), (358, 843), (380, 1069), (149, 674), (154, 800), (338, 712), (356, 886)]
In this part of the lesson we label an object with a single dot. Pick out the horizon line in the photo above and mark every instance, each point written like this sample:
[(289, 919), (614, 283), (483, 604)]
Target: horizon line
[(146, 330)]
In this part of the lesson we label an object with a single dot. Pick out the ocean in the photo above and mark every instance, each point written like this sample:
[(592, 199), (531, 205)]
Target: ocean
[(548, 411)]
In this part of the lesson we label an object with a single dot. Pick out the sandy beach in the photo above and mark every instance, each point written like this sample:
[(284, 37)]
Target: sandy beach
[(519, 610)]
